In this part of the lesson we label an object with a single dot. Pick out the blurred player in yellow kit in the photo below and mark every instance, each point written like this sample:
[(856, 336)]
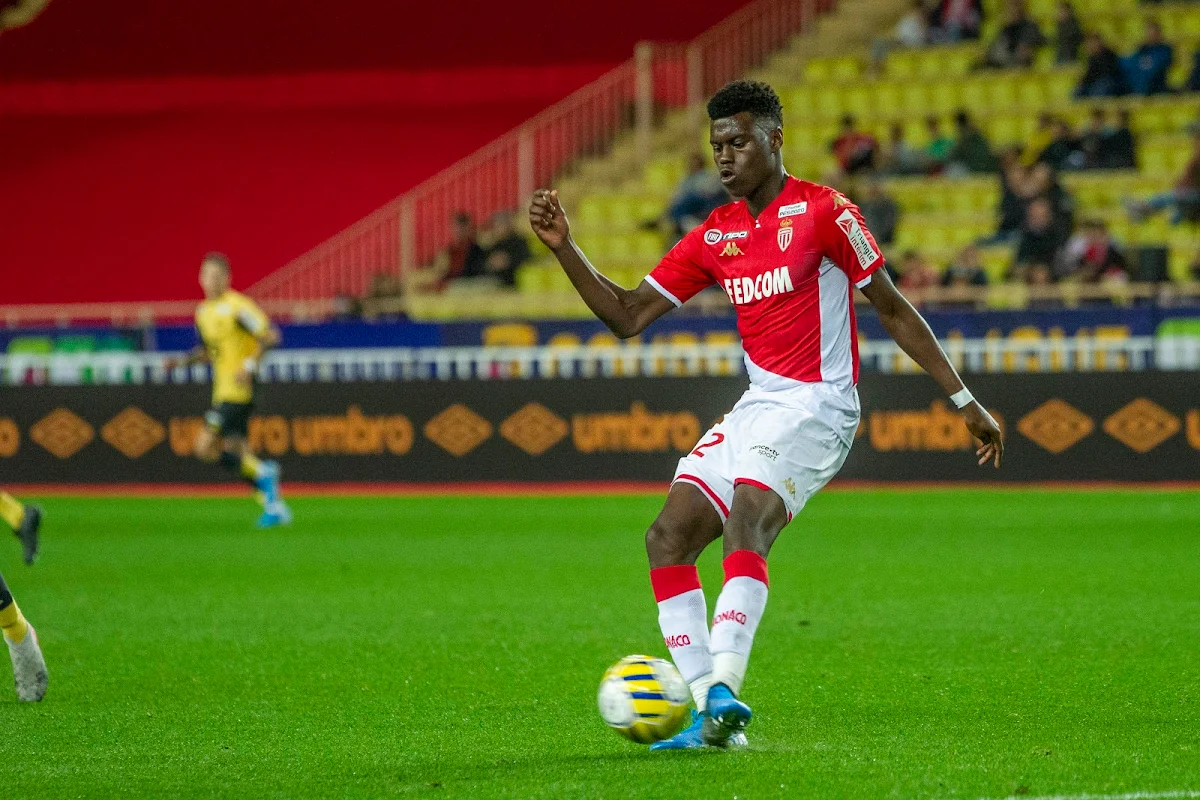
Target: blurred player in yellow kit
[(29, 667), (234, 334)]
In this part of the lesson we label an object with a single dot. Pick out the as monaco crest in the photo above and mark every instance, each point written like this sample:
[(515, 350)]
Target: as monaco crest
[(785, 238)]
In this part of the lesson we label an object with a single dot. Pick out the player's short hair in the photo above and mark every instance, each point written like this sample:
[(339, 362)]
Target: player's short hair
[(752, 97), (220, 259)]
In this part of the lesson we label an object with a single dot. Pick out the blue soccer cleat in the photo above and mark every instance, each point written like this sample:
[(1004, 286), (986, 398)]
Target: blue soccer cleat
[(268, 483), (275, 514), (727, 717), (691, 737)]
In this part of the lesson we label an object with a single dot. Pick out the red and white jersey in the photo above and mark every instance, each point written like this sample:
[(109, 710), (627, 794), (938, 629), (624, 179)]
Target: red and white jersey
[(790, 275)]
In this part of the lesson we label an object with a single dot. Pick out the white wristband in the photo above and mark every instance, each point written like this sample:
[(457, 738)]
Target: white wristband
[(251, 366), (962, 398)]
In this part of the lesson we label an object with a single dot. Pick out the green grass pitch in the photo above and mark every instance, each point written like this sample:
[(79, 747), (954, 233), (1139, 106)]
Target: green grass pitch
[(941, 644)]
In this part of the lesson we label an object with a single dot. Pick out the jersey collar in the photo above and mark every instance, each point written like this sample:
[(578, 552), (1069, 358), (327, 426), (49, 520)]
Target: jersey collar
[(788, 182)]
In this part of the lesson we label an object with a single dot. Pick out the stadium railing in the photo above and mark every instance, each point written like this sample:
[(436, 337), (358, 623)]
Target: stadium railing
[(413, 228), (547, 362)]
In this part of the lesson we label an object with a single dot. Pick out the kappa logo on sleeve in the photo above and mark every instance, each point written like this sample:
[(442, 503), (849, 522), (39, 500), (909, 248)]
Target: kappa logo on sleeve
[(866, 252)]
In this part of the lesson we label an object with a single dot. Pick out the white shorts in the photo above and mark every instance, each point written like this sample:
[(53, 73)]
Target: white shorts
[(790, 442)]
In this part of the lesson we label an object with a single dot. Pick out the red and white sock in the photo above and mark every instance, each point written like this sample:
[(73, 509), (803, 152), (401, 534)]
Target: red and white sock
[(683, 618), (739, 610)]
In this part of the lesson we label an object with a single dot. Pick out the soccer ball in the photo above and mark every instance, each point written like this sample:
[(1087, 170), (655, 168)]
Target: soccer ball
[(643, 698)]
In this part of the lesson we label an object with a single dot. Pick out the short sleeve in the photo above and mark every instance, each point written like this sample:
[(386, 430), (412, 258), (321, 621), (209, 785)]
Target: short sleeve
[(681, 275), (251, 317), (847, 241)]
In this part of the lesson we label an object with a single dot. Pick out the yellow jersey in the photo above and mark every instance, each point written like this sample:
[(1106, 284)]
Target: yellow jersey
[(229, 326)]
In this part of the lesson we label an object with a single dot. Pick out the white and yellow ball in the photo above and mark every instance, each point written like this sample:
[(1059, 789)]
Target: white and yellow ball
[(644, 699)]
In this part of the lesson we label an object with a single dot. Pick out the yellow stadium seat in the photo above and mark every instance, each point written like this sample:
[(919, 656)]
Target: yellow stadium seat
[(1060, 85), (958, 60), (889, 100), (1002, 93), (916, 98), (859, 101), (847, 68), (903, 64), (663, 176), (1157, 160), (1182, 114), (799, 101), (944, 97), (1031, 93), (830, 102), (533, 279), (1132, 29), (818, 71), (648, 247), (996, 261), (592, 211), (1154, 118), (1004, 131)]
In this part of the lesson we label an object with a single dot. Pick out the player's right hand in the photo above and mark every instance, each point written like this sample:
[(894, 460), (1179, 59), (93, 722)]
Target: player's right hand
[(548, 220)]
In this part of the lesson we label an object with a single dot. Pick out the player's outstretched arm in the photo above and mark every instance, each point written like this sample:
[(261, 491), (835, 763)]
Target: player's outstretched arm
[(626, 312), (909, 329)]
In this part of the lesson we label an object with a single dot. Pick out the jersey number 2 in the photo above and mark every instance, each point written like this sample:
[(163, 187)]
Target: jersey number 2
[(716, 440)]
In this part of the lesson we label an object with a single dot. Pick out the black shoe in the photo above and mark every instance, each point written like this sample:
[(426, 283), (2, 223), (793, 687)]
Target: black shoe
[(28, 534)]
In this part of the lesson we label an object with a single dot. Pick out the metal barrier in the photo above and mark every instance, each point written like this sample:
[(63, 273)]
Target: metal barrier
[(499, 363)]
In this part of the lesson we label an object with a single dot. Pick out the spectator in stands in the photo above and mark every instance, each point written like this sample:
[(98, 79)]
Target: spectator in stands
[(1092, 138), (854, 150), (937, 151), (1040, 139), (464, 257), (901, 158), (1091, 255), (346, 308), (1040, 244), (1068, 34), (1118, 150), (956, 20), (1193, 81), (913, 30), (696, 196), (1183, 202), (971, 153), (507, 252), (1012, 204), (1064, 151), (880, 211), (1017, 42), (1147, 67), (965, 270), (1104, 76), (915, 273)]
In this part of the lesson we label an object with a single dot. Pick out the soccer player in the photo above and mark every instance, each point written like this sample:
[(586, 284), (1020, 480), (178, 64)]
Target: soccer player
[(234, 333), (29, 667), (789, 254)]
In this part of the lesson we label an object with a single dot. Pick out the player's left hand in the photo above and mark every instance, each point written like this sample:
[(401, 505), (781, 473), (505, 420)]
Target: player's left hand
[(984, 428), (244, 377)]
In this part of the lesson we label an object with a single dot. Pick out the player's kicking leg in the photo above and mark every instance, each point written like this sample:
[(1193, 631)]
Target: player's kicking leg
[(25, 522), (755, 520), (29, 667), (687, 524)]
